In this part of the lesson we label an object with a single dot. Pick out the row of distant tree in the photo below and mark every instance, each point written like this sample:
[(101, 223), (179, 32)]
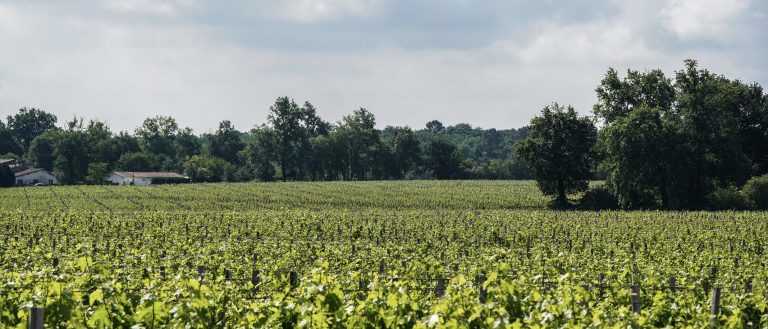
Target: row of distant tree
[(694, 141), (293, 144)]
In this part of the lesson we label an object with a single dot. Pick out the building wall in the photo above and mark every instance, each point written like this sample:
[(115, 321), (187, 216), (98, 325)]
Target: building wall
[(116, 179), (36, 177), (119, 180)]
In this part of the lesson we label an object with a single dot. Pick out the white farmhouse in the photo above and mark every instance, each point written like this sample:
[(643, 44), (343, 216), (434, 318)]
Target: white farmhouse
[(145, 178), (34, 176)]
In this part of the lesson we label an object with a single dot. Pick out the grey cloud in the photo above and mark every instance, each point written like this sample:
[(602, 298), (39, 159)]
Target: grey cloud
[(489, 63)]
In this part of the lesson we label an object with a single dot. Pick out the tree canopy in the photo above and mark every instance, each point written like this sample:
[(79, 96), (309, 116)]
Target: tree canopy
[(559, 149), (689, 140)]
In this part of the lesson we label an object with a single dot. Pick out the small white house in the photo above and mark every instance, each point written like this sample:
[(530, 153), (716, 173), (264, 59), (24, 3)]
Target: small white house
[(144, 178), (34, 176)]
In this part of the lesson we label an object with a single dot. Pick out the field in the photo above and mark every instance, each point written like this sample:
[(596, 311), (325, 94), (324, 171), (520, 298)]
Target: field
[(417, 254)]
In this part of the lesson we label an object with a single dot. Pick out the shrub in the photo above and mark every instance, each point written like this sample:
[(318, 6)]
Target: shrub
[(599, 198), (756, 192), (728, 198), (7, 179)]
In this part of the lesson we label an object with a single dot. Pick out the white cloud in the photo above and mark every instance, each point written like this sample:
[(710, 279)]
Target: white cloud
[(611, 40), (10, 22), (702, 19), (161, 7), (600, 41), (307, 11), (125, 70)]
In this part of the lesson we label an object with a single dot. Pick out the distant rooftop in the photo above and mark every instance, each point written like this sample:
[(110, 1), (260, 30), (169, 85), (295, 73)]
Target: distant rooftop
[(28, 171), (137, 174)]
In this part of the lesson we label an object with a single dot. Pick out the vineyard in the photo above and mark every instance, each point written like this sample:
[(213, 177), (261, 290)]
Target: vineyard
[(478, 254)]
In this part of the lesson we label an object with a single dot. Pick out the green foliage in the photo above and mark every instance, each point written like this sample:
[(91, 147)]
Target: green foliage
[(98, 172), (157, 135), (259, 153), (294, 126), (101, 146), (559, 150), (361, 144), (71, 151), (8, 143), (7, 179), (510, 168), (128, 256), (756, 192), (138, 161), (727, 198), (599, 198), (207, 169), (477, 145), (435, 126), (636, 145), (41, 150), (405, 151), (187, 144), (443, 159), (30, 123), (226, 143), (665, 144), (126, 143), (670, 143)]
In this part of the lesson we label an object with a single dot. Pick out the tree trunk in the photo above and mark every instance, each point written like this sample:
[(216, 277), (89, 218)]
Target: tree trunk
[(561, 199)]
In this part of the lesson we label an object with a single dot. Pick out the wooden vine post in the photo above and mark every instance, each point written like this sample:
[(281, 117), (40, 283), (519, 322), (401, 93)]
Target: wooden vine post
[(36, 317), (636, 298), (440, 290), (483, 293), (714, 321)]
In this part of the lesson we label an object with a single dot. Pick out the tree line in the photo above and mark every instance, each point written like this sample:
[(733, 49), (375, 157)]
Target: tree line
[(294, 144), (697, 140)]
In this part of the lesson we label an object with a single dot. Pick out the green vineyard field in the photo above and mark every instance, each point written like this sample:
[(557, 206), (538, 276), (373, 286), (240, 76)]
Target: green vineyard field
[(416, 254)]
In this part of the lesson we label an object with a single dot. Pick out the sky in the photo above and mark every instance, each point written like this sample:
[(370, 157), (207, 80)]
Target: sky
[(489, 63)]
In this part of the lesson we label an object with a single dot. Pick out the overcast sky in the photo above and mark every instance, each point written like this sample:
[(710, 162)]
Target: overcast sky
[(490, 63)]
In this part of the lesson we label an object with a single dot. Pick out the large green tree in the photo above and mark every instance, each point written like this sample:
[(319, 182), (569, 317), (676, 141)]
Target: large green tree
[(294, 127), (103, 148), (361, 141), (206, 169), (670, 143), (405, 151), (125, 143), (260, 151), (637, 147), (637, 139), (8, 143), (226, 143), (41, 150), (157, 135), (559, 148), (30, 123), (187, 144), (285, 118), (98, 172), (443, 159), (71, 153), (138, 161)]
